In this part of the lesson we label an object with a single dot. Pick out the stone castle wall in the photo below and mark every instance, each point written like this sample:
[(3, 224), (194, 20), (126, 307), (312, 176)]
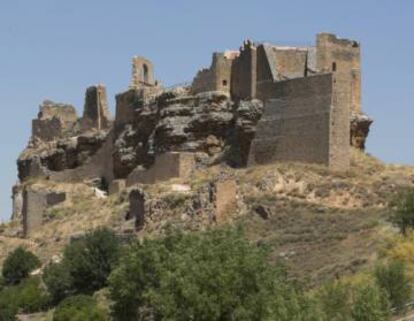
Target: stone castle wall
[(342, 57), (302, 123), (96, 112), (166, 166), (53, 121), (100, 165), (217, 77), (275, 63), (243, 84)]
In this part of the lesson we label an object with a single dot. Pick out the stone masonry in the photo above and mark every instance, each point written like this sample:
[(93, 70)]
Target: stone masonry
[(96, 113), (35, 202), (304, 122), (260, 104)]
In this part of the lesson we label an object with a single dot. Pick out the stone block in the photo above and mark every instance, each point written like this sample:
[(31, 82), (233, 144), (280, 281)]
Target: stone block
[(167, 166), (96, 112), (17, 197), (224, 198), (35, 203), (117, 186), (137, 207), (54, 120), (304, 120)]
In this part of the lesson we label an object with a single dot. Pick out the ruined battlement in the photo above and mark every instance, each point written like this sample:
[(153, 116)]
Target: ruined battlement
[(259, 104)]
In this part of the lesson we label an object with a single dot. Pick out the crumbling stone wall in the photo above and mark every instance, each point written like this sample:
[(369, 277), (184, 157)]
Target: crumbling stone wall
[(166, 166), (35, 203), (303, 121), (17, 197), (243, 85), (224, 197), (98, 165), (276, 63), (137, 207), (142, 73), (53, 121), (218, 76), (96, 113), (341, 56)]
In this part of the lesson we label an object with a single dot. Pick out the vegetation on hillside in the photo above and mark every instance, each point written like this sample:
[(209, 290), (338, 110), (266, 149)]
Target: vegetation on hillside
[(324, 250), (212, 275)]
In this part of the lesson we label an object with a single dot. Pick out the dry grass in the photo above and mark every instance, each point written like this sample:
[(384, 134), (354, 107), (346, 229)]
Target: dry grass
[(321, 223)]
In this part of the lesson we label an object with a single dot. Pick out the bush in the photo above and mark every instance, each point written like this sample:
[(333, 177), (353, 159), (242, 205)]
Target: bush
[(85, 267), (404, 213), (58, 281), (18, 265), (335, 301), (214, 275), (370, 304), (8, 314), (92, 259), (79, 308), (393, 280), (27, 297)]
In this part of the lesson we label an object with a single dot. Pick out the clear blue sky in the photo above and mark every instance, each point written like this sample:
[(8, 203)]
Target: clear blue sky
[(56, 48)]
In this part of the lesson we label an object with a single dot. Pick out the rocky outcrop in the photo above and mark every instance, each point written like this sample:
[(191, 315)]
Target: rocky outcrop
[(40, 159), (360, 125), (209, 125)]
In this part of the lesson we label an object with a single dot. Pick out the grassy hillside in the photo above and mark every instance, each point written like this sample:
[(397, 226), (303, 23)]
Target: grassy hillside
[(322, 224)]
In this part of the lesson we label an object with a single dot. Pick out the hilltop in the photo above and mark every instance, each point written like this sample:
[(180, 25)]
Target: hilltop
[(322, 223)]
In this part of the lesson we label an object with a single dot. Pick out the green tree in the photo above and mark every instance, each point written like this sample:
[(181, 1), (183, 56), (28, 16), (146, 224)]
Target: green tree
[(403, 216), (213, 275), (91, 259), (79, 308), (335, 301), (27, 297), (370, 304), (392, 279), (58, 281), (18, 265), (85, 266)]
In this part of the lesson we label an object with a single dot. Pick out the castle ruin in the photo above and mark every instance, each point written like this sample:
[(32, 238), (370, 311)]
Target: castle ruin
[(260, 104)]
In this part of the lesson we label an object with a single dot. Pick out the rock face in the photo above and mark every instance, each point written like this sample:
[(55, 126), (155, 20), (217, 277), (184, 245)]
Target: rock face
[(69, 153), (360, 124), (210, 125)]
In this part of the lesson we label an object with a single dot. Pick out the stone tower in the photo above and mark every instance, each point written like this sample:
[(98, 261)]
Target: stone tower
[(96, 113), (142, 73)]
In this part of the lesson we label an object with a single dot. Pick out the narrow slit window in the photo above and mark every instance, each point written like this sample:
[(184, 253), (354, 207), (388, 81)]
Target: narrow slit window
[(334, 66), (224, 82)]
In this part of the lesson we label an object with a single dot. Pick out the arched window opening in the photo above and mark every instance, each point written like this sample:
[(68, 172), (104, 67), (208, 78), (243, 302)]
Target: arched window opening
[(144, 75)]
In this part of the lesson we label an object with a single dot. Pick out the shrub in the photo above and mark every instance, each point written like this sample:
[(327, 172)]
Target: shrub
[(335, 301), (18, 265), (8, 314), (91, 259), (85, 267), (370, 304), (27, 297), (58, 281), (404, 212), (392, 279), (79, 308), (213, 275)]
